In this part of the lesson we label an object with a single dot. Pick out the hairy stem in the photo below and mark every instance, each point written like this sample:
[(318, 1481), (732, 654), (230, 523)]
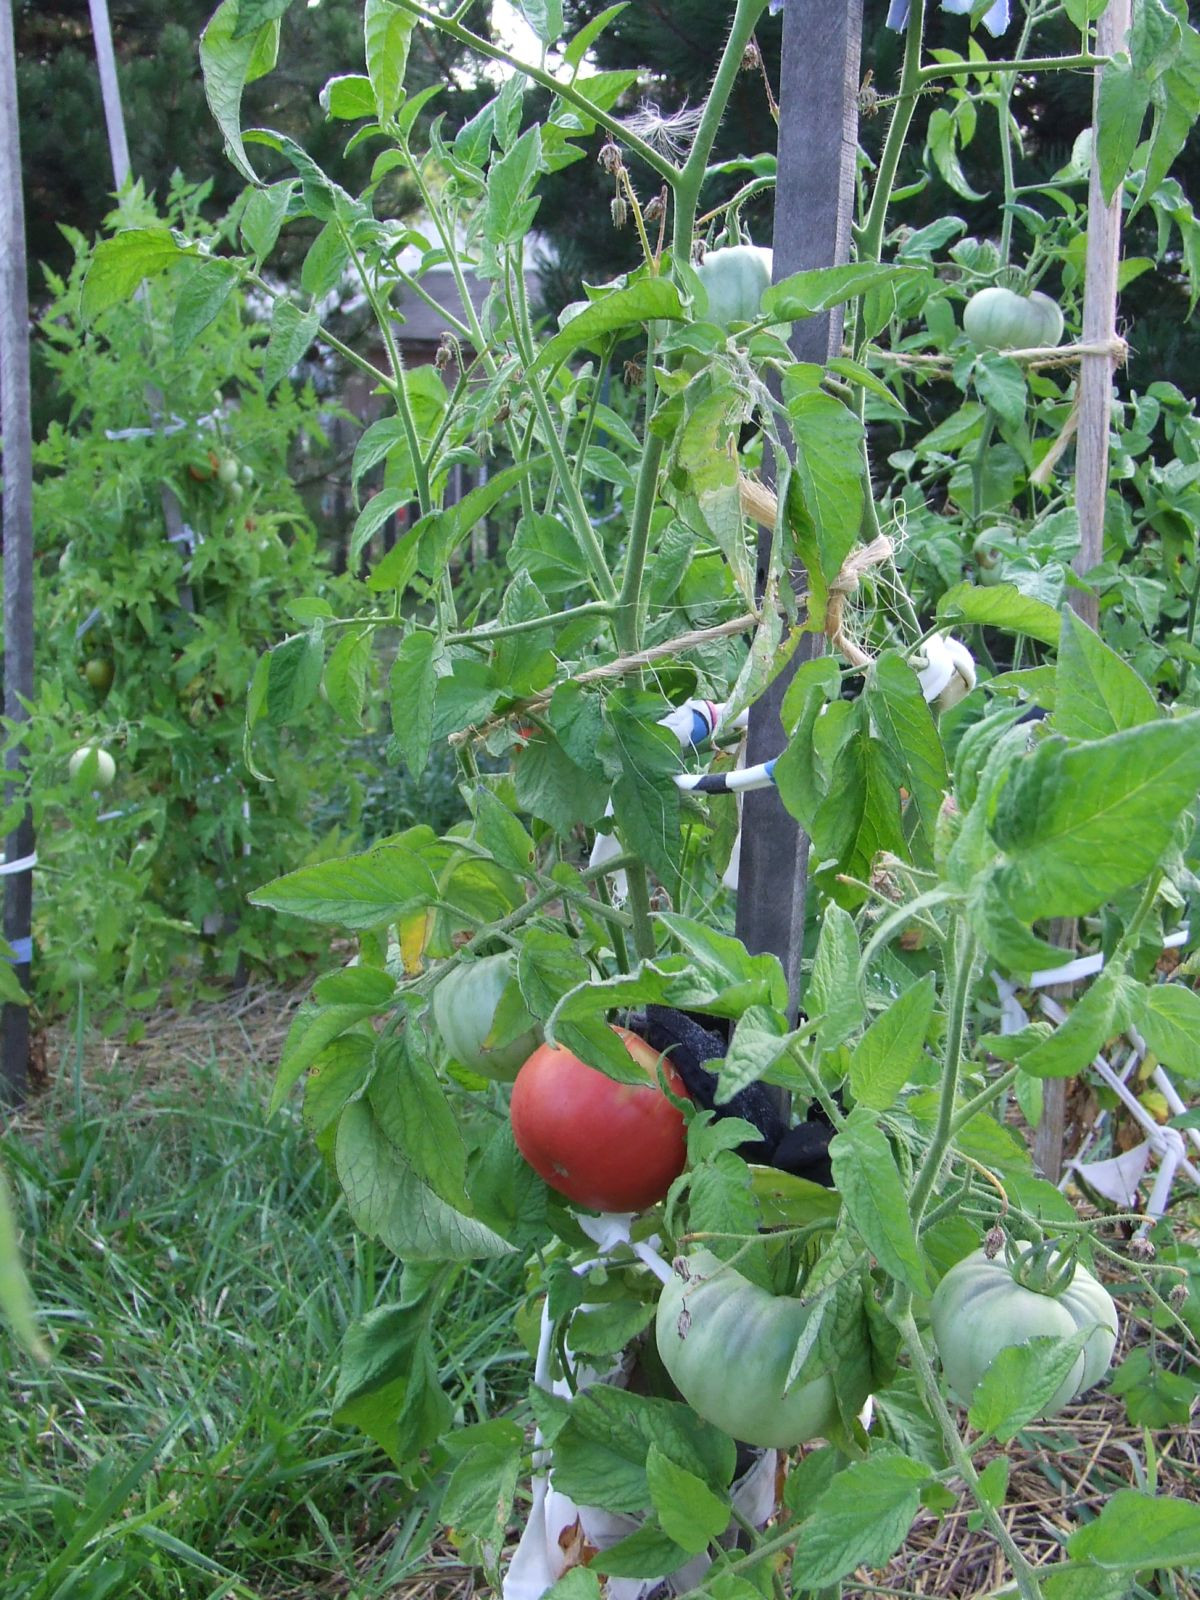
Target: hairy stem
[(959, 964)]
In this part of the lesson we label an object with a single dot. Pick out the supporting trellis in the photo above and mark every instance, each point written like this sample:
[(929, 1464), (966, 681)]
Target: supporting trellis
[(818, 152), (18, 559)]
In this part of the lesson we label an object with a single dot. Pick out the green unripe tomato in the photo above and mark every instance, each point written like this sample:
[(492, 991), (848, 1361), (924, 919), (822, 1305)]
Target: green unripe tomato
[(1001, 319), (735, 280), (227, 472), (464, 1008), (98, 670), (728, 1345), (979, 1309), (94, 765)]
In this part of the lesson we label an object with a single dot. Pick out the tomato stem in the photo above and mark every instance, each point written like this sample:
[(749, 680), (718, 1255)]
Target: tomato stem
[(1024, 1574), (960, 964)]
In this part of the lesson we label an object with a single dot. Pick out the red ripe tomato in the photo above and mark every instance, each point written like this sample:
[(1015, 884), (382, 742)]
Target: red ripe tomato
[(606, 1145)]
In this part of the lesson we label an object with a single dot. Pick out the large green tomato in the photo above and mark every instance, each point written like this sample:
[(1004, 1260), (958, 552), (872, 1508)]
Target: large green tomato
[(980, 1309), (464, 1008), (728, 1346), (94, 765), (1001, 319), (734, 281)]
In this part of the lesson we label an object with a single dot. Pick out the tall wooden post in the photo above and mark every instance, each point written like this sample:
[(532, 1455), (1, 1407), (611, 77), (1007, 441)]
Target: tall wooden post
[(18, 556), (818, 147), (1091, 477)]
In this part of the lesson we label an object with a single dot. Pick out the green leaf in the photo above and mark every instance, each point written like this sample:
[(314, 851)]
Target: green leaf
[(511, 206), (689, 1511), (479, 1496), (549, 785), (346, 675), (860, 815), (119, 265), (388, 1382), (326, 259), (1103, 1010), (582, 42), (1003, 606), (825, 488), (889, 1052), (941, 140), (1168, 1017), (292, 331), (759, 1040), (362, 891), (500, 833), (1136, 1531), (1002, 932), (805, 294), (904, 723), (412, 1112), (602, 1451), (263, 217), (1153, 1396), (1124, 97), (647, 1552), (861, 1520), (387, 31), (313, 1029), (229, 60), (294, 678), (1155, 38), (412, 686), (1020, 1381), (865, 1174), (645, 301), (1077, 825), (549, 966), (349, 97), (835, 988), (545, 17), (388, 1201), (1096, 692), (1001, 384), (202, 294)]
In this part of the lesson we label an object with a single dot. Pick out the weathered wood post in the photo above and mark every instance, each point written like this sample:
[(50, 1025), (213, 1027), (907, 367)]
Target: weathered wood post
[(1091, 474), (18, 557), (818, 146)]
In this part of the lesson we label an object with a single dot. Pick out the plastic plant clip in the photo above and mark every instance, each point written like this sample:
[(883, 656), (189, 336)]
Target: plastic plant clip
[(995, 19), (945, 669), (1117, 1179)]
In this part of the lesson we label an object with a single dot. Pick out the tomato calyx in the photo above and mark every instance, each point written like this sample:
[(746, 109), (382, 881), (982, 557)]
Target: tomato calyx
[(1047, 1268)]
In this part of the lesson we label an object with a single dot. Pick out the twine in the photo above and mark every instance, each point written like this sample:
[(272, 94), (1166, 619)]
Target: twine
[(760, 503), (1115, 349)]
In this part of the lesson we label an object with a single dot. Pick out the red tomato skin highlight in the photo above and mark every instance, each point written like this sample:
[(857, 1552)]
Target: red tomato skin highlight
[(605, 1145)]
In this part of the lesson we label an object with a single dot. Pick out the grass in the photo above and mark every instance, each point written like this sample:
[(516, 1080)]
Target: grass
[(195, 1269)]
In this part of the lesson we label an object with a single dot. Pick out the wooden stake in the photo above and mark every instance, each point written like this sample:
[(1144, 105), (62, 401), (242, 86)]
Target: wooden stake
[(1094, 404), (818, 149), (18, 554)]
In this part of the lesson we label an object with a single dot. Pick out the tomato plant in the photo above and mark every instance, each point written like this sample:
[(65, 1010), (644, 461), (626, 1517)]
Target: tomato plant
[(973, 765), (604, 1144)]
